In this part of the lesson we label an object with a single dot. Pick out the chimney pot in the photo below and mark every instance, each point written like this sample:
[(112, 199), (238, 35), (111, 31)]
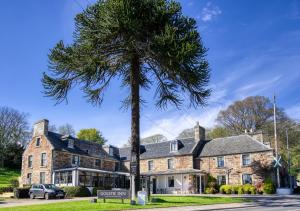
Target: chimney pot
[(41, 128)]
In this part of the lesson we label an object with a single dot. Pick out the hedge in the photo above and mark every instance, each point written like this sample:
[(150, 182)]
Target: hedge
[(6, 189), (238, 189), (76, 191), (21, 193), (94, 192)]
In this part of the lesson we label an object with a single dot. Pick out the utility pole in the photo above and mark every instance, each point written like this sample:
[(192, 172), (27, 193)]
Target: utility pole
[(276, 144)]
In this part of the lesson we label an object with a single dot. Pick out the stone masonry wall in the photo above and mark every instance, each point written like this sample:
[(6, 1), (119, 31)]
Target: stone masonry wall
[(35, 151), (234, 162), (64, 160)]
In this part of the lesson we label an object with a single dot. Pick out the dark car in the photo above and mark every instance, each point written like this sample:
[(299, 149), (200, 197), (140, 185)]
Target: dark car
[(46, 191)]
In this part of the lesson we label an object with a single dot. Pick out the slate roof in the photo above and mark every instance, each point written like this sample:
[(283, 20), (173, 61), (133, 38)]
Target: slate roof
[(80, 146), (231, 145), (173, 171), (162, 149)]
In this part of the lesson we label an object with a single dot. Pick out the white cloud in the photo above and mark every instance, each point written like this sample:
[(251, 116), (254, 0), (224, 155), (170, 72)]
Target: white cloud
[(209, 12)]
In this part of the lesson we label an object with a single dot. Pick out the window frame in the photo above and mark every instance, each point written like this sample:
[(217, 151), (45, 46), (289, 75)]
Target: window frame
[(38, 141), (172, 162), (43, 159), (73, 159), (171, 182), (242, 159), (250, 175), (29, 178), (218, 161), (174, 146), (219, 182), (100, 163), (150, 167), (44, 177), (30, 161)]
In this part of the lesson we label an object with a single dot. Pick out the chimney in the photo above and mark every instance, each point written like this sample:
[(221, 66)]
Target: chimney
[(199, 132), (41, 128), (257, 135)]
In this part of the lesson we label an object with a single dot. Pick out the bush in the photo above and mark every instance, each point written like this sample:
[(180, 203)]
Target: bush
[(247, 188), (235, 189), (240, 190), (210, 190), (6, 189), (269, 187), (259, 187), (76, 191), (252, 190), (226, 189), (14, 183), (21, 193)]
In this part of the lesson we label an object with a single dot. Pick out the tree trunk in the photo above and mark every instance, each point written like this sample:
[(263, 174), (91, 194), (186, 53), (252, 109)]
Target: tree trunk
[(135, 116)]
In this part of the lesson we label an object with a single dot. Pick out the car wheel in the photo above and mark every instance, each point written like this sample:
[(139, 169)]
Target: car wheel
[(31, 196), (47, 196)]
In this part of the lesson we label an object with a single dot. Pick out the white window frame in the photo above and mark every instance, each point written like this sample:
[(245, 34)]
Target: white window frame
[(175, 144), (221, 175), (78, 163), (242, 163), (251, 176), (172, 162), (217, 163), (29, 178), (150, 161), (172, 178), (31, 161), (42, 182)]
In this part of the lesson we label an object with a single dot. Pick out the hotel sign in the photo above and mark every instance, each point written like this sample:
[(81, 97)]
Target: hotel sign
[(113, 194)]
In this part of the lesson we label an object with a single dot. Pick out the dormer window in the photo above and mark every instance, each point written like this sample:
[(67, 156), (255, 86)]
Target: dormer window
[(70, 143), (174, 146), (111, 151)]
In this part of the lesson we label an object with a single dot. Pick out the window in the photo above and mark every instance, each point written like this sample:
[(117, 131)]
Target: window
[(111, 151), (221, 180), (174, 146), (30, 161), (29, 176), (220, 161), (171, 182), (246, 159), (170, 164), (150, 165), (117, 166), (64, 177), (247, 179), (75, 160), (38, 142), (43, 159), (42, 177), (98, 163)]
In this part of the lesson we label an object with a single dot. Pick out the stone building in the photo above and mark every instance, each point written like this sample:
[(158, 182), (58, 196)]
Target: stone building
[(177, 166)]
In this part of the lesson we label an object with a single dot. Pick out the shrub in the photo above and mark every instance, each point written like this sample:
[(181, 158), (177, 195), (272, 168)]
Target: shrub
[(212, 185), (226, 189), (259, 187), (235, 189), (240, 190), (21, 193), (14, 183), (210, 190), (269, 187), (6, 189), (76, 191), (252, 190), (247, 188)]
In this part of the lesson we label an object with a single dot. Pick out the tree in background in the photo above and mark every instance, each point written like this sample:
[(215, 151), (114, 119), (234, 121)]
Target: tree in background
[(13, 130), (91, 134), (66, 129), (157, 138), (145, 44), (218, 132), (251, 113)]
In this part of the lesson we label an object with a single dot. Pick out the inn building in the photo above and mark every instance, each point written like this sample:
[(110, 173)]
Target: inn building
[(177, 166)]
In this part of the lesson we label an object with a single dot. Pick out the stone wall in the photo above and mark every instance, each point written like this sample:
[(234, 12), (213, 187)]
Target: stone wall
[(260, 166), (64, 160), (35, 151)]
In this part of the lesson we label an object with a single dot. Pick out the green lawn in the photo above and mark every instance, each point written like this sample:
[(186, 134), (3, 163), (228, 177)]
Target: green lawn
[(112, 204), (6, 175)]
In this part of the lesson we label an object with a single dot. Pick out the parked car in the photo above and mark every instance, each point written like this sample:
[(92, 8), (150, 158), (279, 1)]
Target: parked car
[(46, 191)]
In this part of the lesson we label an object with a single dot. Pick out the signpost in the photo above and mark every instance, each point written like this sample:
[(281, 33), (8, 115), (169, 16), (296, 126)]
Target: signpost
[(277, 163), (113, 194)]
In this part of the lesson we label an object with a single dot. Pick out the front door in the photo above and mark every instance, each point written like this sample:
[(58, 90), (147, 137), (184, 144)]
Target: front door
[(154, 185)]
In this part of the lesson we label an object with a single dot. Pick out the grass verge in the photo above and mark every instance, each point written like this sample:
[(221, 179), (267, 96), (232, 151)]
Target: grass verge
[(6, 175), (113, 204)]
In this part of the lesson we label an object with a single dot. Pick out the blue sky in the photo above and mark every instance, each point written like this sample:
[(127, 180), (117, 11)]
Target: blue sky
[(254, 49)]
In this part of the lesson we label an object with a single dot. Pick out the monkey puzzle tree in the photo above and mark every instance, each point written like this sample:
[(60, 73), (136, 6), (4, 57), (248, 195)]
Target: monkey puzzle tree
[(145, 43)]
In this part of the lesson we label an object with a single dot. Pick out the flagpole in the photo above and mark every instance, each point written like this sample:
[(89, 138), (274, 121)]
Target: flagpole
[(276, 144)]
